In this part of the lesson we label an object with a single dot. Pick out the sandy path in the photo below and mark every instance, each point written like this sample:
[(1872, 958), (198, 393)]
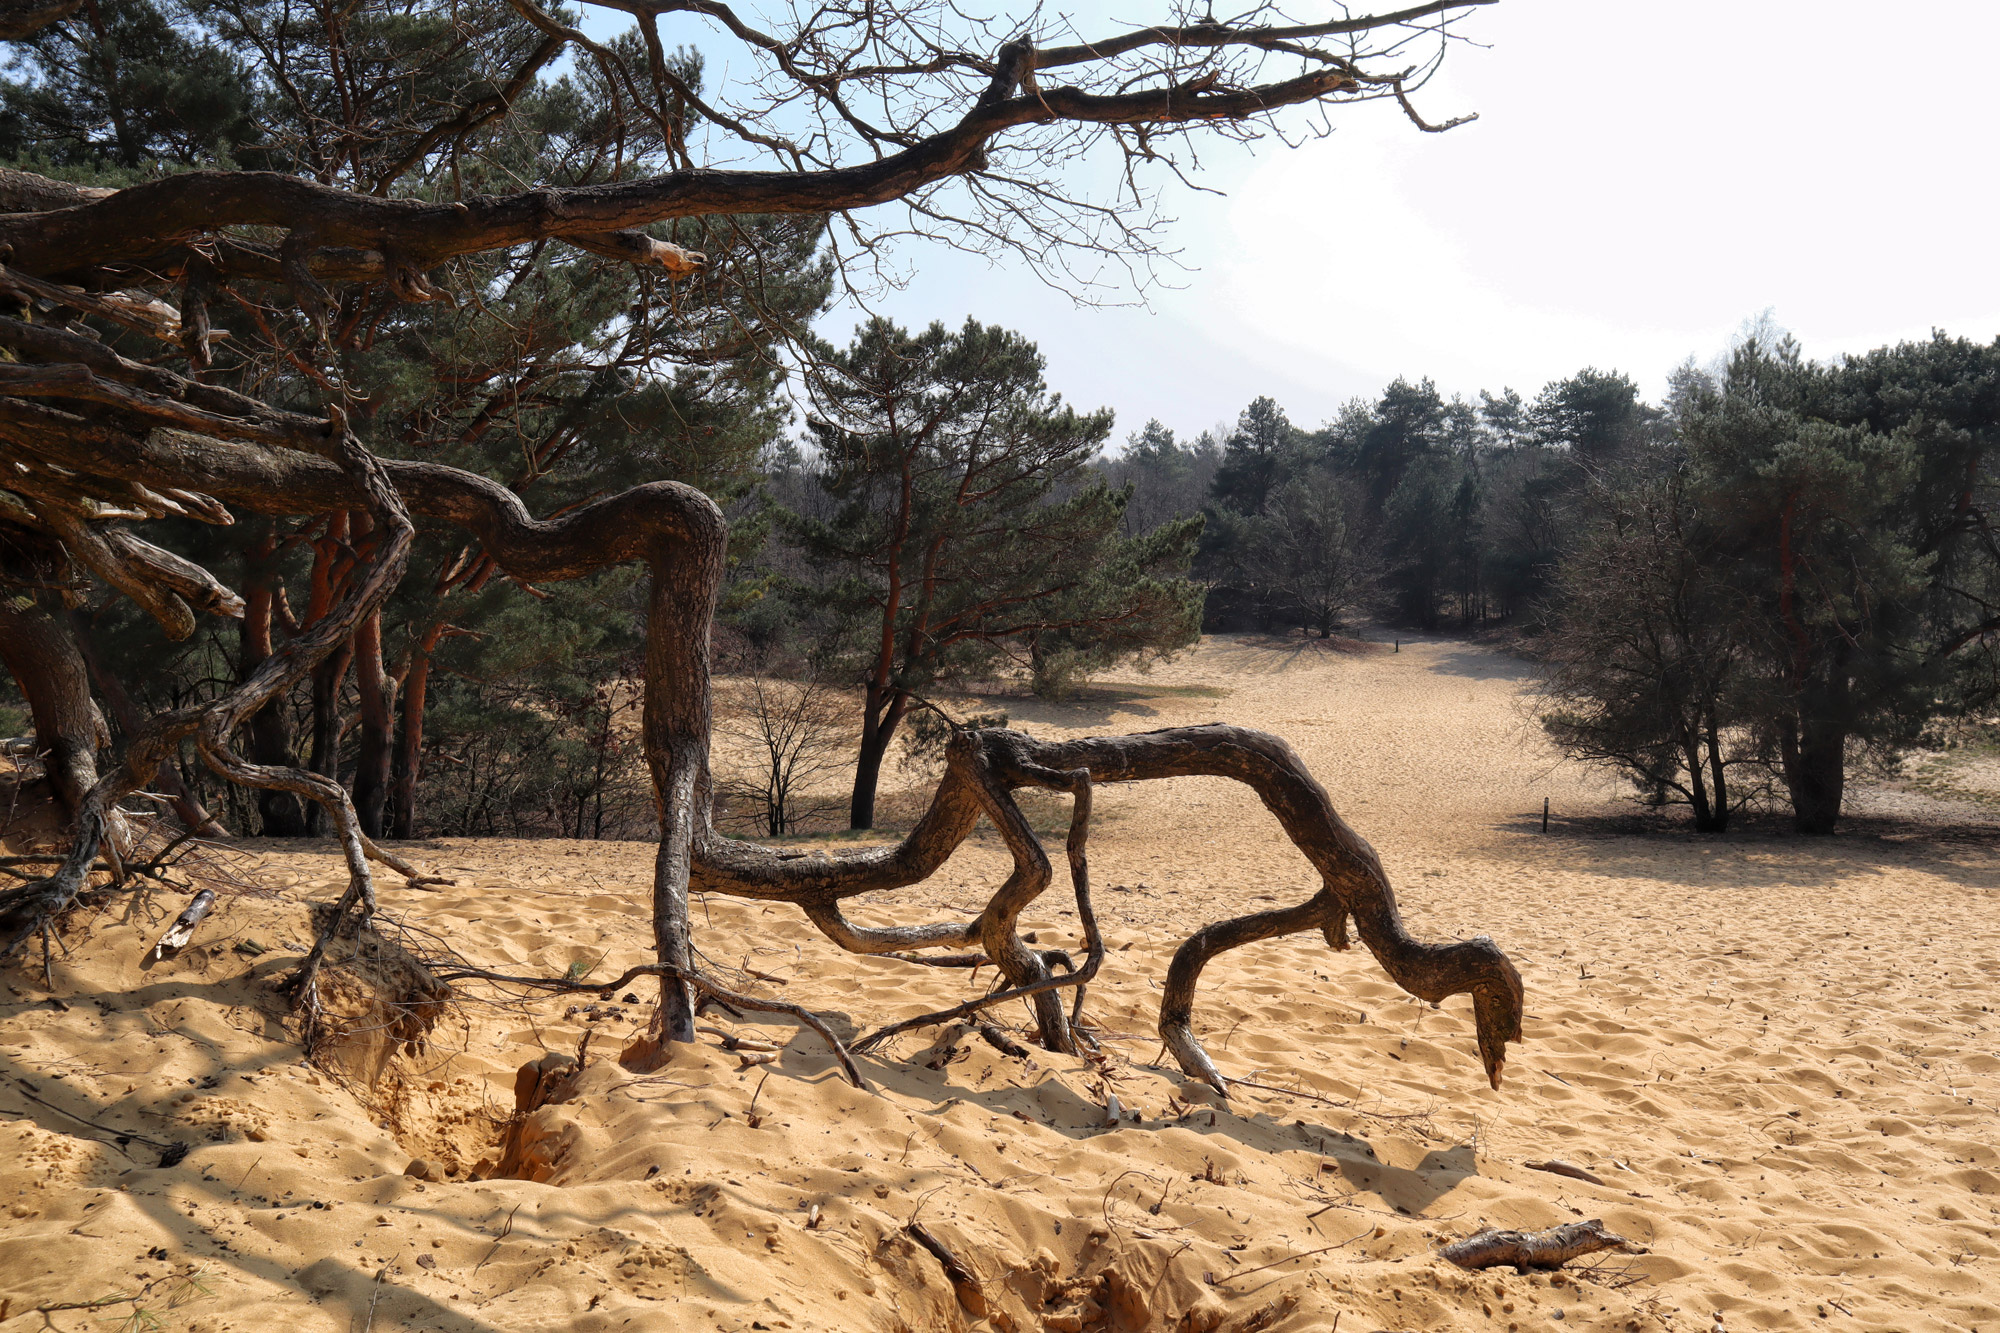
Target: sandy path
[(1779, 1056)]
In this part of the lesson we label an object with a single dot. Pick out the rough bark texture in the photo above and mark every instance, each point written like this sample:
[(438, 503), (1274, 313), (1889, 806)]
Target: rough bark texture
[(38, 650), (270, 727), (1530, 1251)]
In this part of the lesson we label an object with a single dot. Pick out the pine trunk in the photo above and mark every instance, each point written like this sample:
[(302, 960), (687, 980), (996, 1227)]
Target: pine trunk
[(270, 726), (879, 718), (1815, 759), (408, 766), (371, 766), (675, 723)]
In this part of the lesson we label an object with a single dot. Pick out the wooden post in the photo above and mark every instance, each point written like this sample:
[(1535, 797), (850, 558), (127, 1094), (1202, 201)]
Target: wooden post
[(1545, 814)]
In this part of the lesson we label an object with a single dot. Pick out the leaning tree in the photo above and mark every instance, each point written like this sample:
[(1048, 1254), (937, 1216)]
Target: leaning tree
[(968, 131)]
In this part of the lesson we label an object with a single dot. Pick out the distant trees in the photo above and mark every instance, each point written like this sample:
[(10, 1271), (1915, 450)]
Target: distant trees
[(1644, 665), (1168, 480), (1311, 551), (1804, 573), (966, 524), (1782, 568)]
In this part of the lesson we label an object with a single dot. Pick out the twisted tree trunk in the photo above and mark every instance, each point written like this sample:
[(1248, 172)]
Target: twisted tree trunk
[(680, 534), (270, 727), (38, 650)]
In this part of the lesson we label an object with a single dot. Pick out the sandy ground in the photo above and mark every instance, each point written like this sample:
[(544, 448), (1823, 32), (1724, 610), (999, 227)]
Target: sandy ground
[(1778, 1056)]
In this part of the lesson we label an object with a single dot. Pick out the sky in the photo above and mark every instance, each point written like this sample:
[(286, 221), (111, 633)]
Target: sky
[(1644, 177)]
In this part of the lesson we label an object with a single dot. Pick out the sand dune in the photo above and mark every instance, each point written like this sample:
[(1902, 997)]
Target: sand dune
[(1778, 1056)]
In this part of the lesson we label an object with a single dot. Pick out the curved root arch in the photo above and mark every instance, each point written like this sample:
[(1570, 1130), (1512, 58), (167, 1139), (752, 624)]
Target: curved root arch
[(985, 765)]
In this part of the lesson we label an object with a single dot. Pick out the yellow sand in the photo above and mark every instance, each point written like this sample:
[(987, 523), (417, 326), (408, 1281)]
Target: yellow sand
[(1778, 1056)]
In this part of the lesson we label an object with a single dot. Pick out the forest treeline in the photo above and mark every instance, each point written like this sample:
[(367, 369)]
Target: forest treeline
[(1780, 570)]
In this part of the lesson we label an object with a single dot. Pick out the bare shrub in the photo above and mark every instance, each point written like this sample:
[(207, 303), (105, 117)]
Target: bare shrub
[(782, 741)]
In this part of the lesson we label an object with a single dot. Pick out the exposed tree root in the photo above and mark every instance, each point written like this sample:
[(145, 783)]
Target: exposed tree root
[(27, 909), (1030, 868), (984, 765), (695, 980)]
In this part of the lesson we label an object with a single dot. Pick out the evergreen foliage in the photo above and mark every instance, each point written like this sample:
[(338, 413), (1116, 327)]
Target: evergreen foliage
[(966, 526), (1784, 568), (560, 374)]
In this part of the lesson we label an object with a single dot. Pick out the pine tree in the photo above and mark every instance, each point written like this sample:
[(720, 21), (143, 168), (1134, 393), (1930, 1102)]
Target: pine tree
[(1806, 509), (968, 523), (121, 85)]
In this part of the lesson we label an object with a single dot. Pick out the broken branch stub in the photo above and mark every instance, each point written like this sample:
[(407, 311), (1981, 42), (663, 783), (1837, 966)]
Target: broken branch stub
[(178, 934)]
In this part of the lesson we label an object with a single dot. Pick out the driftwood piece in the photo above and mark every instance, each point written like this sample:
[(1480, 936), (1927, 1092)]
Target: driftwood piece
[(1536, 1250), (178, 934), (1558, 1167), (1000, 1041)]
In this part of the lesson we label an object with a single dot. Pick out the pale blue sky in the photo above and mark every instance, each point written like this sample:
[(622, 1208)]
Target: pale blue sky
[(1644, 175)]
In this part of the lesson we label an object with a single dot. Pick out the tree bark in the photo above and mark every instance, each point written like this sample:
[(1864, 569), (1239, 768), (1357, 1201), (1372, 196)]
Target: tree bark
[(186, 805), (678, 710), (1813, 743), (330, 562), (1718, 775), (1698, 799), (270, 727), (371, 765), (43, 657), (1814, 753), (408, 769), (376, 690), (881, 714)]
